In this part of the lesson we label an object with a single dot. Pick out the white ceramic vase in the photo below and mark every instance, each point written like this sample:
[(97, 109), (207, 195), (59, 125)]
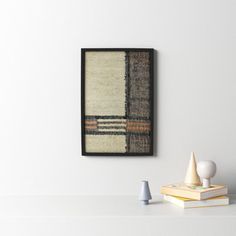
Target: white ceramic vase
[(206, 170)]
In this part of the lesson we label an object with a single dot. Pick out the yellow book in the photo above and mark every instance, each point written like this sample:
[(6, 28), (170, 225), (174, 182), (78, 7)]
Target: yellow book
[(194, 192), (190, 203)]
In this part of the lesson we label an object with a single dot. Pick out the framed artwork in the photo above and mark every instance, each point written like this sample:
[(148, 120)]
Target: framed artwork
[(117, 101)]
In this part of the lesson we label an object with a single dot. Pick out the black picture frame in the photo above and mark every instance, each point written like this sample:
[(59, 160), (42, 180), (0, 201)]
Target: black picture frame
[(83, 81)]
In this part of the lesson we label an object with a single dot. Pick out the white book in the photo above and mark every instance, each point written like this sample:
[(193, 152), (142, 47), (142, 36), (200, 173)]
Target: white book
[(191, 203)]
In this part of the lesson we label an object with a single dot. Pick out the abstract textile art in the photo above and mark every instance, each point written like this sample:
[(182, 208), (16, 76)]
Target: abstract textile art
[(117, 101)]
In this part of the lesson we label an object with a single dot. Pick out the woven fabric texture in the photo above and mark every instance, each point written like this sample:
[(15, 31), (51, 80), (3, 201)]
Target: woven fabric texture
[(117, 102)]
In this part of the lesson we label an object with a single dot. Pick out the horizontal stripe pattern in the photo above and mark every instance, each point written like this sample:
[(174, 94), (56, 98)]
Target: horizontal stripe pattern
[(116, 125), (138, 126), (91, 124), (115, 133)]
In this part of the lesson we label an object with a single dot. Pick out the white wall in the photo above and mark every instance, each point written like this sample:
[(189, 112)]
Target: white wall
[(40, 45)]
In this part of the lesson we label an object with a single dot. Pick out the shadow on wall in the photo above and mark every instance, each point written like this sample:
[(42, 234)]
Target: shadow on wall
[(155, 105), (225, 179)]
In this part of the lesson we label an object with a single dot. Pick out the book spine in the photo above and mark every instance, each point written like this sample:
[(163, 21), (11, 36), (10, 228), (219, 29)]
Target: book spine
[(180, 193)]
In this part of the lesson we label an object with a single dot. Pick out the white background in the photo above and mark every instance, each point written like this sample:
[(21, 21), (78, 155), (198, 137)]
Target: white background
[(40, 44)]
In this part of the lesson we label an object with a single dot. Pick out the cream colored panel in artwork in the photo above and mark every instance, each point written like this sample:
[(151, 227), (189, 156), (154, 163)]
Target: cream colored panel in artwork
[(105, 83), (105, 143)]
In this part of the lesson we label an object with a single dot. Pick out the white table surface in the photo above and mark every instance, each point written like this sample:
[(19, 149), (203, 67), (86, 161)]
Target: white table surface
[(68, 215), (102, 206)]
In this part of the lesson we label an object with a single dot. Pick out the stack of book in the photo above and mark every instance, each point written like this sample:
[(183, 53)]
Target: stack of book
[(195, 196)]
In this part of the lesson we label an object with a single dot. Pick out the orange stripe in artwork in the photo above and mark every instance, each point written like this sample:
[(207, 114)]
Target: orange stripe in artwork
[(138, 129), (90, 127), (131, 123), (139, 126), (90, 122)]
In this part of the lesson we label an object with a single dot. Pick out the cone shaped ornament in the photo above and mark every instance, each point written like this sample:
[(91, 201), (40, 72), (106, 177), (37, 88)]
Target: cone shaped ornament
[(192, 178), (145, 194)]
